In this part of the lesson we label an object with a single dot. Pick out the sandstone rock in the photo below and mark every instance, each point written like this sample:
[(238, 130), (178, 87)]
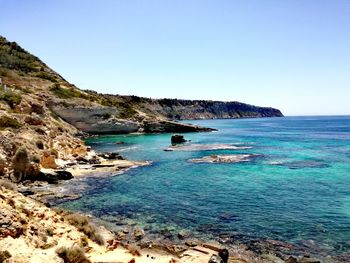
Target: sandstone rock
[(215, 259), (139, 233), (93, 120), (183, 234), (79, 150), (37, 108), (47, 161), (191, 243), (121, 235), (33, 119), (111, 156), (10, 224)]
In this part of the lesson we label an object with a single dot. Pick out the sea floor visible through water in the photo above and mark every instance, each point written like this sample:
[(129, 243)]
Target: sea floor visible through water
[(295, 191)]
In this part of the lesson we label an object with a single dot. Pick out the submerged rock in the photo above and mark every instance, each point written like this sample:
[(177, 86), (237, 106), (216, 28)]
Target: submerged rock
[(183, 234), (205, 147), (229, 158), (302, 164)]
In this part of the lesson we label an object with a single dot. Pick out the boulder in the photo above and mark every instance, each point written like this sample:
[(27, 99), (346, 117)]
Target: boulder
[(79, 150), (47, 161), (53, 177), (183, 234), (33, 119), (37, 108), (111, 156), (177, 138), (10, 224), (139, 233)]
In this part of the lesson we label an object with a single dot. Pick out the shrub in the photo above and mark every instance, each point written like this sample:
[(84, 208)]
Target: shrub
[(4, 255), (46, 75), (20, 164), (8, 122), (72, 255), (84, 225), (67, 93), (8, 185), (12, 98)]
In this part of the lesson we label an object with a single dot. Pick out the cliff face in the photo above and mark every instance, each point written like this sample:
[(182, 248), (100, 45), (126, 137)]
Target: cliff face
[(199, 109)]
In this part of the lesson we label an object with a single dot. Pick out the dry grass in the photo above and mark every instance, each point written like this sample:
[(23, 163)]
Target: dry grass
[(7, 184), (72, 255), (84, 225)]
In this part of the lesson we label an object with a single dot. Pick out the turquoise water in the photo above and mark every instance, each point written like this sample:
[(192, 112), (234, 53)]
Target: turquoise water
[(297, 191)]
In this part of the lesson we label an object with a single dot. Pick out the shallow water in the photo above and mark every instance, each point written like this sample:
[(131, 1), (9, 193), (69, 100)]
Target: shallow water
[(297, 191)]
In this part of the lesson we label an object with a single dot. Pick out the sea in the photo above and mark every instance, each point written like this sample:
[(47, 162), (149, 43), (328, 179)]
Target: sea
[(293, 192)]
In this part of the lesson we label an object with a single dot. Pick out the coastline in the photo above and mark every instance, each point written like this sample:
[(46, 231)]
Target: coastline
[(24, 246), (157, 244)]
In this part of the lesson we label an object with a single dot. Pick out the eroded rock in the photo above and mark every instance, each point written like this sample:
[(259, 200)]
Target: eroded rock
[(229, 158), (47, 161)]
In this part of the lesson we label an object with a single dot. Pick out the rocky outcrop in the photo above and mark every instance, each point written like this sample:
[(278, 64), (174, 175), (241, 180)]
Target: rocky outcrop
[(225, 158), (171, 126), (177, 109), (103, 120), (96, 120)]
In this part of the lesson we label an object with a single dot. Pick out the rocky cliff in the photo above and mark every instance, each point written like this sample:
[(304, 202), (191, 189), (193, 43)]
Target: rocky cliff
[(177, 109)]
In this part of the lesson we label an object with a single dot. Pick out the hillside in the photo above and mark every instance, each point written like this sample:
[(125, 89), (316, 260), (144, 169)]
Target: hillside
[(178, 109)]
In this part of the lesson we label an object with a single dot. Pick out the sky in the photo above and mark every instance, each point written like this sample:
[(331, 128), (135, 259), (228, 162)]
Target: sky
[(290, 54)]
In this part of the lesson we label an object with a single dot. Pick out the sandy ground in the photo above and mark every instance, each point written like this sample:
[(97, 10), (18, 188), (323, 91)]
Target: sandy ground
[(34, 233)]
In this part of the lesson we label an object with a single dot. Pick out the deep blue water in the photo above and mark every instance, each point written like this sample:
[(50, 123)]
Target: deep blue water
[(297, 191)]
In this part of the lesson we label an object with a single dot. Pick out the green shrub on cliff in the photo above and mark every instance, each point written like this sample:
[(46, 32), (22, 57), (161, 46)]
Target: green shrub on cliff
[(11, 97), (8, 122), (12, 56), (68, 93)]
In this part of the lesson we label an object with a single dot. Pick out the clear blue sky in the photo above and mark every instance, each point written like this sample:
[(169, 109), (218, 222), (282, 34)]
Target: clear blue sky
[(289, 54)]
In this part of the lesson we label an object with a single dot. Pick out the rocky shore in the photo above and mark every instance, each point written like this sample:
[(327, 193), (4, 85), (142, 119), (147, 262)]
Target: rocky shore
[(31, 231)]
